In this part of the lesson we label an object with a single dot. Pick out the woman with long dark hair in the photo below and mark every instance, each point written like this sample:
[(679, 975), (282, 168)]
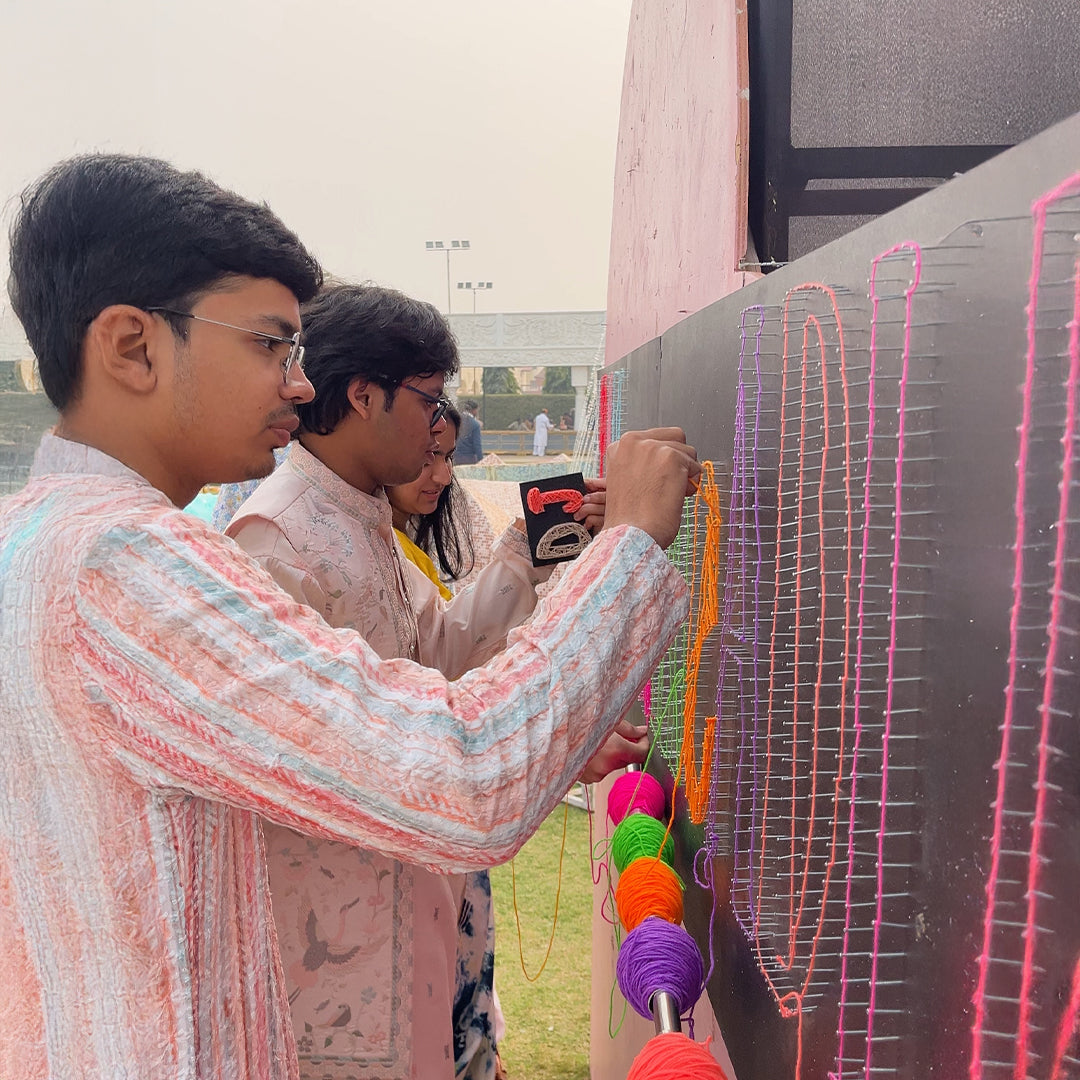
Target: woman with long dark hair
[(431, 517), (432, 525)]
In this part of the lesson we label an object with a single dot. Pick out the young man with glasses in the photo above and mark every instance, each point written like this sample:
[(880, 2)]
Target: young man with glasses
[(322, 527), (162, 695)]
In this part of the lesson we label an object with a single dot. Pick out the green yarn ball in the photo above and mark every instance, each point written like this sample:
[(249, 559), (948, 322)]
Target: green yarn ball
[(639, 836)]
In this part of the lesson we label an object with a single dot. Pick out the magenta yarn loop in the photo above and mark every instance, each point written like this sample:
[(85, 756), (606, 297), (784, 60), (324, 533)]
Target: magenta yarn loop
[(636, 791), (659, 956)]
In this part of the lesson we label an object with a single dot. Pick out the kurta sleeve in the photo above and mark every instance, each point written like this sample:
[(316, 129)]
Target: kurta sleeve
[(465, 632), (266, 543), (209, 679)]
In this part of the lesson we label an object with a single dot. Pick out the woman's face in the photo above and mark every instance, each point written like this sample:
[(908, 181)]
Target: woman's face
[(422, 495)]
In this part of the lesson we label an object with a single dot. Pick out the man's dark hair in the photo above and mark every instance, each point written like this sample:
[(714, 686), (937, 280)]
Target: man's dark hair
[(103, 229), (471, 406), (373, 333)]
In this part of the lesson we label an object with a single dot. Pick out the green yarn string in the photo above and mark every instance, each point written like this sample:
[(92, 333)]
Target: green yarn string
[(639, 836)]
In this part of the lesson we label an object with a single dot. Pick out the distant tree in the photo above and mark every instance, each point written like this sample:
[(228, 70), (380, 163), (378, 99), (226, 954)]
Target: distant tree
[(557, 381), (500, 380)]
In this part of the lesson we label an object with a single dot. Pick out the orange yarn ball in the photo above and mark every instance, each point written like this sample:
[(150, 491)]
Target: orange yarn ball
[(648, 887), (672, 1056)]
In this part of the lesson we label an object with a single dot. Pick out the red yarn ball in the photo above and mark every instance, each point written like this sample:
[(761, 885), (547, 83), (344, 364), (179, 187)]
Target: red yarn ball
[(672, 1056), (635, 791)]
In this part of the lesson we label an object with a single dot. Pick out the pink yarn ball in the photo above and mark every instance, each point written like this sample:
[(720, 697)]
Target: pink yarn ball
[(635, 791)]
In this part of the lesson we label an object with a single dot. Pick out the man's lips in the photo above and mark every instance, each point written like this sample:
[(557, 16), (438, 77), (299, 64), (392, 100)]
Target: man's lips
[(283, 428), (285, 423)]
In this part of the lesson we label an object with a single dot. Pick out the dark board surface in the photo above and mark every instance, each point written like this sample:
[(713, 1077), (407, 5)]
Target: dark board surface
[(896, 72), (896, 835)]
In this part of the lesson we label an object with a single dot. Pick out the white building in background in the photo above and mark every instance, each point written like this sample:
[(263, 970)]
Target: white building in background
[(530, 340), (15, 350)]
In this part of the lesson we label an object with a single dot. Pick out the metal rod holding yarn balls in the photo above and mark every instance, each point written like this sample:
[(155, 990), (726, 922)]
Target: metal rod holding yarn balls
[(665, 1012)]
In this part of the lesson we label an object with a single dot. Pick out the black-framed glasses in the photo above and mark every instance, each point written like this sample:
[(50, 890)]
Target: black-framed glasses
[(295, 354), (441, 403)]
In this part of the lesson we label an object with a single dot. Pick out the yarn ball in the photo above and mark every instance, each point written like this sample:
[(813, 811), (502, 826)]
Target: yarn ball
[(672, 1056), (638, 836), (656, 956), (635, 791), (648, 887)]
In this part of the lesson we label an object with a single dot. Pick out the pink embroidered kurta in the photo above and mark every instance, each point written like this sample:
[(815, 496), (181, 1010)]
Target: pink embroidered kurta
[(161, 693), (361, 932)]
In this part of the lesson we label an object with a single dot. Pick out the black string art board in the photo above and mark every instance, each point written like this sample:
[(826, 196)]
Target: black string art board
[(893, 841)]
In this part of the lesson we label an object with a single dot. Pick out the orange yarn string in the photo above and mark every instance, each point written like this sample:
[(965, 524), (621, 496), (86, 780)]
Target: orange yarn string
[(555, 915), (704, 618)]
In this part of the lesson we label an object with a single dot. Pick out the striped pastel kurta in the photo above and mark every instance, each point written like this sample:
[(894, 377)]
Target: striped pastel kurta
[(159, 693), (360, 932)]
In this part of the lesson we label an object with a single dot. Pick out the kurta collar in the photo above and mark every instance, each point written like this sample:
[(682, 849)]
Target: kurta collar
[(371, 510), (58, 455)]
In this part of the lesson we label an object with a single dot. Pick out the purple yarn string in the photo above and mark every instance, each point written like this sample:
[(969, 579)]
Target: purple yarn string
[(660, 956), (705, 880), (744, 494)]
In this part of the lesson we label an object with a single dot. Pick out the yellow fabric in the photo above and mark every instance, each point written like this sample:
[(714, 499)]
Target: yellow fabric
[(419, 557)]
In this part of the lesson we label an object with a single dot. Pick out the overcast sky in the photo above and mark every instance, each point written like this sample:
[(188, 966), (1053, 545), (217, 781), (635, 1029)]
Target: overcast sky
[(370, 127)]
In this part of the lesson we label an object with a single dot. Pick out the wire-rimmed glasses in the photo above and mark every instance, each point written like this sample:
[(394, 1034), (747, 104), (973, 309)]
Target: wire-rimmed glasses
[(295, 354)]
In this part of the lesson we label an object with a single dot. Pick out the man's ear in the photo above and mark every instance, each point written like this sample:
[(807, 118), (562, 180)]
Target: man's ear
[(124, 345), (361, 395)]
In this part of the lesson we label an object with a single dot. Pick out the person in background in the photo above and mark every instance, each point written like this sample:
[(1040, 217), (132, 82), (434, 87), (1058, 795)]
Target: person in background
[(541, 426), (362, 933), (470, 444), (162, 694)]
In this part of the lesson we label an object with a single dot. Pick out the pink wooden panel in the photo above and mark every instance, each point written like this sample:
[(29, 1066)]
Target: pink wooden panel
[(678, 233), (679, 216)]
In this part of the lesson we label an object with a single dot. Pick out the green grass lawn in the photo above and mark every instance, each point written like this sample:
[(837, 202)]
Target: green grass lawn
[(547, 1022)]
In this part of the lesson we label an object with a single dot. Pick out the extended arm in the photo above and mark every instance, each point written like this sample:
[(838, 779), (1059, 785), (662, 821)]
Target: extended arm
[(238, 694)]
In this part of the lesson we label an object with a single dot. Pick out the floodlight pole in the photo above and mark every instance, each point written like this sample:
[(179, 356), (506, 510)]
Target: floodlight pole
[(480, 286), (454, 245)]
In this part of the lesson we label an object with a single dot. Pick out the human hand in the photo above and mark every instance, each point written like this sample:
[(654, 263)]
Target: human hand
[(591, 512), (628, 744), (649, 474)]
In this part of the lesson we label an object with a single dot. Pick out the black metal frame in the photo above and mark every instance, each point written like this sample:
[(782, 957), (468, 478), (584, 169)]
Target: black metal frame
[(779, 173)]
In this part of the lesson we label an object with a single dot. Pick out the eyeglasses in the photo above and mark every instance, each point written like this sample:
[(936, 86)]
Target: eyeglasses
[(295, 354), (441, 403)]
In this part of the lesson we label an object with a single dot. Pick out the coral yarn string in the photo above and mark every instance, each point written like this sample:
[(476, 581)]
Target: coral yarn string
[(791, 1003), (572, 500)]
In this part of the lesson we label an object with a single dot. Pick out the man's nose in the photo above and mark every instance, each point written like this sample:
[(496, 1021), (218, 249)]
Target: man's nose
[(297, 386)]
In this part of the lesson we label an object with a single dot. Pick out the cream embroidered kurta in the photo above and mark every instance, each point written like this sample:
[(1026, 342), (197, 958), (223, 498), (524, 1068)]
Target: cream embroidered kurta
[(370, 944), (161, 693)]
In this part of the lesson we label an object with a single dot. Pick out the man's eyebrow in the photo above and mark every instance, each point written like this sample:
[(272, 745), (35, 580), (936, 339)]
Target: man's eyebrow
[(282, 327)]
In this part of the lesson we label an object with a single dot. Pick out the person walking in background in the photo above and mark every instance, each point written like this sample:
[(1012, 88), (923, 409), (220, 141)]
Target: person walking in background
[(541, 426), (470, 448)]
